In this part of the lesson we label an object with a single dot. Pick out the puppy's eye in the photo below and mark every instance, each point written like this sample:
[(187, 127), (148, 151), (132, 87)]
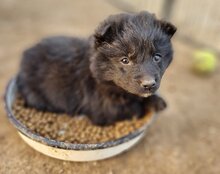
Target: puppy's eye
[(157, 58), (125, 60)]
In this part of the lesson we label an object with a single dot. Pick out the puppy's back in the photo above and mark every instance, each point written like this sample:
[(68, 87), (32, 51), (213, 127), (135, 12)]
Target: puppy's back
[(49, 70)]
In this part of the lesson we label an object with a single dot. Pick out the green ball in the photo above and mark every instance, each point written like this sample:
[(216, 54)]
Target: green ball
[(204, 62)]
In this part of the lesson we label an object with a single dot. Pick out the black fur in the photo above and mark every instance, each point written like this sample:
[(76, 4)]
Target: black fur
[(87, 76)]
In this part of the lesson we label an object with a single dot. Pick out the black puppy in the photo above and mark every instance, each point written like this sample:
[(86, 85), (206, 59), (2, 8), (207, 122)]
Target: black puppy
[(111, 76)]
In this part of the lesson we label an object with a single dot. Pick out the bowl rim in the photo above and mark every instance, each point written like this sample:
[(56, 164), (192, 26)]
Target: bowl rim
[(65, 145)]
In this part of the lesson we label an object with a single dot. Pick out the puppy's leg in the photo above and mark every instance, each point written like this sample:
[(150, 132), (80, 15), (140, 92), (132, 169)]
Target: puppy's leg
[(33, 99), (154, 102)]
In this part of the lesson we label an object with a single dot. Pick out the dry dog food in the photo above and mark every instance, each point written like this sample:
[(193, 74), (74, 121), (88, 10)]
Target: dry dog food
[(73, 129)]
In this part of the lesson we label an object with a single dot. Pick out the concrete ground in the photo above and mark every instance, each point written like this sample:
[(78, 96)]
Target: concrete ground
[(185, 138)]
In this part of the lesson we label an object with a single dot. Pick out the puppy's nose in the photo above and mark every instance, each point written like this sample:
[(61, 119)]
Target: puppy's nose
[(148, 84)]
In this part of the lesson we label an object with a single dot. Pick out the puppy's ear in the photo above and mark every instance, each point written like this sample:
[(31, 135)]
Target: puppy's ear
[(168, 28), (105, 34)]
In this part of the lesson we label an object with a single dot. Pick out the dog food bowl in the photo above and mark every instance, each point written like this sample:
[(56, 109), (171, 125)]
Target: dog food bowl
[(70, 151)]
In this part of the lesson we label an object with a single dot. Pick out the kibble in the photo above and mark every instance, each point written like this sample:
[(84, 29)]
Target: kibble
[(78, 129)]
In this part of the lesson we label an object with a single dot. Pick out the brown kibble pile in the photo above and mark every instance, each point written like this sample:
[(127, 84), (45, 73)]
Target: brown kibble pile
[(63, 127)]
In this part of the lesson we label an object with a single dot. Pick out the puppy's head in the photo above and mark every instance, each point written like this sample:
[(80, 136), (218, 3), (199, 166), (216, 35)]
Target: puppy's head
[(133, 51)]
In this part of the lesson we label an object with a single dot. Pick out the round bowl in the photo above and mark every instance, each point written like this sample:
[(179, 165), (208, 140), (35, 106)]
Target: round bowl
[(70, 151)]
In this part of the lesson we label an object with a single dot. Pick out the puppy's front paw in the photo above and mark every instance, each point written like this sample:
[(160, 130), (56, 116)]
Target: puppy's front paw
[(159, 104), (156, 103)]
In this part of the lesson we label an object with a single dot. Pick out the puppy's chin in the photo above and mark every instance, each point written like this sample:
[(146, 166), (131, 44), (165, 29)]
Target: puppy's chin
[(139, 94), (145, 95)]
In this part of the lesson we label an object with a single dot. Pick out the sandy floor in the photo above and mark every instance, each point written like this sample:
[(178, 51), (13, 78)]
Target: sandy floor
[(185, 139)]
